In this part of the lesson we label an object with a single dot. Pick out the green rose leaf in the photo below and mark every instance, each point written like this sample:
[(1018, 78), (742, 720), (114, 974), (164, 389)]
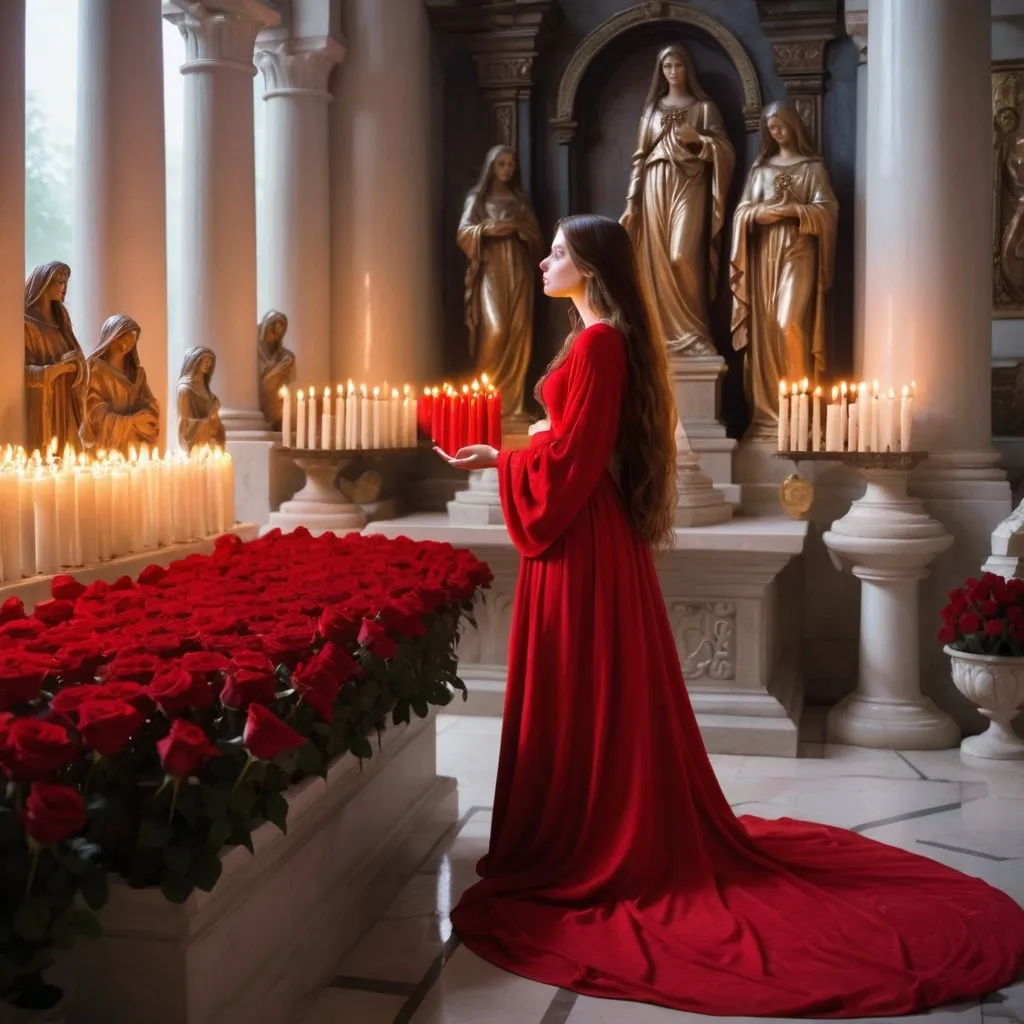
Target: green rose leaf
[(243, 801), (219, 834), (360, 746), (207, 871), (178, 859), (175, 888), (154, 834), (420, 706), (94, 890), (85, 923), (275, 809), (32, 920)]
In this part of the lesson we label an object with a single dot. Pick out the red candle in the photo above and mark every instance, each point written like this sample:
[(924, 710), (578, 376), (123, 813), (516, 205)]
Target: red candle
[(477, 416), (453, 422), (465, 437), (494, 420), (437, 418), (425, 415)]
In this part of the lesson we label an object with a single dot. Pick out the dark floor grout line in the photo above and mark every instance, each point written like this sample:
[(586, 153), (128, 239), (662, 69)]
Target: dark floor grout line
[(926, 812), (912, 766), (963, 849), (561, 1006), (427, 982), (381, 986)]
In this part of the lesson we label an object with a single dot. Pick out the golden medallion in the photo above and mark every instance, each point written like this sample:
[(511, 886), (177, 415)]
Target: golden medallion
[(796, 495)]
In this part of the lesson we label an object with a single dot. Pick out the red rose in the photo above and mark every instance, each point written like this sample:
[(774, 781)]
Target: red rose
[(265, 735), (12, 609), (21, 677), (1017, 631), (319, 680), (152, 575), (51, 613), (989, 607), (107, 725), (79, 661), (969, 623), (287, 645), (946, 635), (185, 749), (251, 679), (204, 663), (340, 624), (1015, 613), (135, 665), (135, 693), (171, 690), (52, 812), (66, 588), (71, 698), (31, 748), (995, 628), (374, 637), (123, 583)]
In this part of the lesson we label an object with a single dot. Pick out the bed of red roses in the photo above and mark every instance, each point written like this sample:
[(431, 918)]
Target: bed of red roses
[(145, 725), (985, 616)]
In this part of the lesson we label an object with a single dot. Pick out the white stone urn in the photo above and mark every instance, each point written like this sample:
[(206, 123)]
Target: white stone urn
[(996, 685)]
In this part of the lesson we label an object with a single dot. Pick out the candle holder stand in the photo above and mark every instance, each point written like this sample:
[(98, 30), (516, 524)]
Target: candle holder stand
[(889, 540), (321, 506)]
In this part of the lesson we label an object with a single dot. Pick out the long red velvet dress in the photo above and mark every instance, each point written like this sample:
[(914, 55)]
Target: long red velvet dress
[(616, 867)]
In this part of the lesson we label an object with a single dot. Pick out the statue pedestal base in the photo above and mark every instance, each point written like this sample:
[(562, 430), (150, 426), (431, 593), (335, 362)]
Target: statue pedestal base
[(480, 504), (696, 383), (319, 506), (698, 501)]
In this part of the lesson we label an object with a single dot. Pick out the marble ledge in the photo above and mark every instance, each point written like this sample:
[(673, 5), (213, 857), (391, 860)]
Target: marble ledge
[(37, 588), (762, 534)]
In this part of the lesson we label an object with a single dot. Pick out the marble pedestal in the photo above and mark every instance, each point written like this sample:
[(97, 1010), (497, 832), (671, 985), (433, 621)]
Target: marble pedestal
[(889, 539), (724, 587), (320, 506), (479, 504), (262, 479)]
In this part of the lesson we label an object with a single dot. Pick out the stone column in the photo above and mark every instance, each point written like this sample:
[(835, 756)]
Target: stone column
[(295, 259), (12, 216), (856, 15), (219, 201), (120, 234), (384, 230)]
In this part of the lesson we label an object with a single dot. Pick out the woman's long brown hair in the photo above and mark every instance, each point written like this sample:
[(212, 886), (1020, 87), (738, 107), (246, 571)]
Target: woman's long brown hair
[(645, 451)]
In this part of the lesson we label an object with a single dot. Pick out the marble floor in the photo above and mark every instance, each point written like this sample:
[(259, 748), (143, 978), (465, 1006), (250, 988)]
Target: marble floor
[(410, 969)]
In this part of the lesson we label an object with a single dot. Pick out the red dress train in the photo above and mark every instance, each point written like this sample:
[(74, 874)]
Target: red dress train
[(616, 867)]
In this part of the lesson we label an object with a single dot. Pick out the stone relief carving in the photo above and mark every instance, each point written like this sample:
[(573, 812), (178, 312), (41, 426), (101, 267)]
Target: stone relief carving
[(1007, 188), (791, 56), (705, 635)]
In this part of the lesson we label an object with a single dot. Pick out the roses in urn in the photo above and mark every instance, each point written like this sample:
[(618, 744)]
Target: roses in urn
[(983, 634)]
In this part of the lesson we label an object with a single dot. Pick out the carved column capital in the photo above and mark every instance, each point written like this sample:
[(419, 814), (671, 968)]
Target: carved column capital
[(856, 22), (299, 67), (219, 33)]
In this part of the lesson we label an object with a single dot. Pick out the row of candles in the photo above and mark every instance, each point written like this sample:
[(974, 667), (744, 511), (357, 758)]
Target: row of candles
[(360, 418), (76, 510), (349, 418), (859, 418)]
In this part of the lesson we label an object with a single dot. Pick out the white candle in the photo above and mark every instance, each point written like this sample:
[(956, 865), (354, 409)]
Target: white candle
[(180, 496), (311, 425), (136, 504), (149, 498), (863, 418), (26, 521), (394, 420), (853, 427), (326, 422), (794, 416), (214, 493), (842, 415), (803, 426), (377, 420), (199, 503), (300, 420), (906, 418), (10, 525), (832, 423), (286, 418), (339, 418), (85, 511), (875, 426), (783, 417), (365, 418), (44, 507), (227, 483), (351, 418), (816, 439), (888, 424), (408, 418), (67, 528), (104, 511)]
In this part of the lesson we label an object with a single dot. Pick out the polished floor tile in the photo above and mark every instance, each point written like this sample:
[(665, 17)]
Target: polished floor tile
[(410, 969)]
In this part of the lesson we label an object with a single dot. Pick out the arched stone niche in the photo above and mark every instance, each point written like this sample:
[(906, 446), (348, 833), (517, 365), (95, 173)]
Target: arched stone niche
[(611, 32)]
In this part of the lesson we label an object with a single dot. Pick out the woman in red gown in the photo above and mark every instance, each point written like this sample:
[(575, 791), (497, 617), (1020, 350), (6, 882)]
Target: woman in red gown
[(616, 867)]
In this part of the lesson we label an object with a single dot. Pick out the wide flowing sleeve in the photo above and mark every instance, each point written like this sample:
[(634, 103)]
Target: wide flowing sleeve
[(820, 216), (739, 260), (545, 487)]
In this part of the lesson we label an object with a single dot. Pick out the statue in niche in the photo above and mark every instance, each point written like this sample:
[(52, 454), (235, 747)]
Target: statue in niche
[(1010, 213), (121, 411), (55, 366), (500, 235), (783, 253), (276, 366), (675, 205), (198, 407)]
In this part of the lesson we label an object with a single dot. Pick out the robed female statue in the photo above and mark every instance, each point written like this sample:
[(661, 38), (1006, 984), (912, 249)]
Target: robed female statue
[(198, 407), (276, 366), (121, 411), (783, 253), (675, 205), (500, 236), (55, 367)]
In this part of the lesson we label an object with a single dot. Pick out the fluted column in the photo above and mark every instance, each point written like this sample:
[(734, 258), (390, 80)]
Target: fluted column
[(295, 259), (219, 194), (12, 217), (386, 189), (120, 234), (856, 15), (928, 300)]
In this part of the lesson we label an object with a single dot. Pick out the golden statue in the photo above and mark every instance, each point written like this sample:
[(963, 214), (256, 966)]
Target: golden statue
[(276, 365), (783, 251), (1009, 214), (120, 409), (55, 367), (198, 407), (500, 235), (675, 206)]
